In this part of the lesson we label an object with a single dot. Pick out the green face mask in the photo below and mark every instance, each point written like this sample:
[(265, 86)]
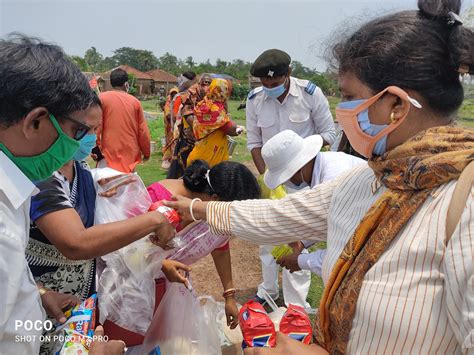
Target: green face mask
[(40, 167)]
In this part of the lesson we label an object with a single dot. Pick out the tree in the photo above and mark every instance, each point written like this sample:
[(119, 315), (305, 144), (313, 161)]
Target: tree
[(190, 62), (107, 64), (93, 59), (80, 62), (138, 58), (169, 63)]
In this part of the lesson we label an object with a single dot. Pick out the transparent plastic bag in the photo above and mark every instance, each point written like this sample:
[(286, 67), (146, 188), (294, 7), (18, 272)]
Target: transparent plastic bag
[(183, 324), (126, 286), (131, 196)]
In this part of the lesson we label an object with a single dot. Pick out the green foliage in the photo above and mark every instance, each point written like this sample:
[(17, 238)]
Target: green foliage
[(169, 63), (151, 171), (80, 62), (240, 92), (132, 81), (141, 59), (93, 59)]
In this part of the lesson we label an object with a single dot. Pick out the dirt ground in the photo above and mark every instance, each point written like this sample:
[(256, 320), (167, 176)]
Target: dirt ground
[(246, 272), (246, 269)]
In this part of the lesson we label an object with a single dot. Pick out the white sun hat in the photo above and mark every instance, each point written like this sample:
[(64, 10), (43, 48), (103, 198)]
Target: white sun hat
[(286, 153)]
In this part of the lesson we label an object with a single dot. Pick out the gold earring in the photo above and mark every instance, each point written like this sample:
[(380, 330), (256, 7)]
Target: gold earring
[(392, 117)]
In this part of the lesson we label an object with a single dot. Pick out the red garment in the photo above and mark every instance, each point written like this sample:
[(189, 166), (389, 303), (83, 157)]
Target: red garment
[(124, 137)]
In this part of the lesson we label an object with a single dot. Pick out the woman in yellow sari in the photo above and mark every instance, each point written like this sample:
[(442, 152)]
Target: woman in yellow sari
[(212, 125)]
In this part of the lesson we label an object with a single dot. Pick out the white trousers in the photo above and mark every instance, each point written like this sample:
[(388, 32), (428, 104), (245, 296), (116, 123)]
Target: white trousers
[(295, 285)]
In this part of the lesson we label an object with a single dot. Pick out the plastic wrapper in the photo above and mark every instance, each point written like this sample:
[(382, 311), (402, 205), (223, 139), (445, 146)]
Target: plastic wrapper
[(257, 327), (81, 318), (281, 251), (296, 324), (78, 328), (75, 344), (183, 324)]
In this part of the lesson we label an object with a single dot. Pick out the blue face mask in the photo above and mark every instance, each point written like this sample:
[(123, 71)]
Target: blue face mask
[(275, 92), (88, 142), (368, 128)]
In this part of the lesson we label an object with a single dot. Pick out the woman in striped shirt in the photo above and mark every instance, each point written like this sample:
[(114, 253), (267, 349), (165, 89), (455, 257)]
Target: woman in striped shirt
[(394, 281)]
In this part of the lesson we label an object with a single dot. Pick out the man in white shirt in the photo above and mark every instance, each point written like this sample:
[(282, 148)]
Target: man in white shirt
[(43, 102), (283, 103), (299, 164)]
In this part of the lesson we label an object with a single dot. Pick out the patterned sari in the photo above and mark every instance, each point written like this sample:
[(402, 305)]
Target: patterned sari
[(48, 266), (184, 142), (210, 124)]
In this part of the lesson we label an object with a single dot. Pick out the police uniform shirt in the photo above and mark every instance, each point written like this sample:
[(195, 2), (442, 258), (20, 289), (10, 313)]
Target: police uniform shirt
[(305, 110)]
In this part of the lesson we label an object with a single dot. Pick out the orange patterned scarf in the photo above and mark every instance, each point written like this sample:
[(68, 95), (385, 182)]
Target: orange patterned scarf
[(410, 172)]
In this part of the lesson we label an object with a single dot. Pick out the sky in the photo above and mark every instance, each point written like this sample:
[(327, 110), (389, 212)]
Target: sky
[(225, 29)]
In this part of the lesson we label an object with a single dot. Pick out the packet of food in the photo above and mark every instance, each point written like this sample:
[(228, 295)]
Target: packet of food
[(173, 217), (296, 324), (81, 318), (75, 344), (281, 251), (257, 327)]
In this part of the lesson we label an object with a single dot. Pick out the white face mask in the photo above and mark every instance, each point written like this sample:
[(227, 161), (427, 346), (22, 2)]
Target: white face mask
[(290, 187)]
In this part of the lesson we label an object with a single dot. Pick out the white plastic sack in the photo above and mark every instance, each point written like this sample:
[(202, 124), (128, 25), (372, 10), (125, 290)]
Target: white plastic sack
[(182, 325), (126, 287)]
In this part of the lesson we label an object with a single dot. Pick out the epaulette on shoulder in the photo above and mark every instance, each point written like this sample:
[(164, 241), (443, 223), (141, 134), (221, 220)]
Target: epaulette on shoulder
[(254, 92), (310, 88)]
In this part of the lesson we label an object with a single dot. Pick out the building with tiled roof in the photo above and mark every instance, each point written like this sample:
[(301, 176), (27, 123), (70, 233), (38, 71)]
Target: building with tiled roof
[(164, 81), (143, 82)]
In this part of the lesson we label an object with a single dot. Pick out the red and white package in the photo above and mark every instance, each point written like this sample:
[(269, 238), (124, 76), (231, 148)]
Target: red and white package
[(170, 214), (257, 328), (296, 324)]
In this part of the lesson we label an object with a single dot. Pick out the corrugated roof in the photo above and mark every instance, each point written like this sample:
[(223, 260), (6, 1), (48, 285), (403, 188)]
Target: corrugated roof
[(163, 76)]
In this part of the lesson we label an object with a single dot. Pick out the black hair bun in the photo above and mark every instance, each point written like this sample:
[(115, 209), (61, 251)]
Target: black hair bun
[(439, 9), (195, 176)]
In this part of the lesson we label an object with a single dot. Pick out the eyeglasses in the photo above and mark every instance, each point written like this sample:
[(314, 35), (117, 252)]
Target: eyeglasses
[(81, 131)]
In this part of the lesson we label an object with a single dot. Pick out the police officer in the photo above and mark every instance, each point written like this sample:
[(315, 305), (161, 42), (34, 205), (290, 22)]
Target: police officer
[(283, 103)]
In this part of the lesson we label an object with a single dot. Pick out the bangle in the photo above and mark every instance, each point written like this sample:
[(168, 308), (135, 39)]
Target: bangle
[(191, 208), (229, 293)]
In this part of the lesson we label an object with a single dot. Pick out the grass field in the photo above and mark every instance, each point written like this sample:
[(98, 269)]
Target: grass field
[(151, 171)]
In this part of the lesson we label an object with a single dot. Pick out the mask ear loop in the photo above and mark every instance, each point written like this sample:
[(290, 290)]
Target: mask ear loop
[(395, 122)]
